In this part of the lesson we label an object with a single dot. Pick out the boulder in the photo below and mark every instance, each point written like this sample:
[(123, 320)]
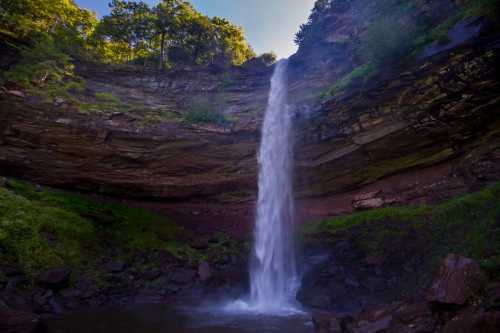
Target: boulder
[(369, 203), (204, 271), (474, 320), (16, 93), (458, 278), (14, 321), (375, 320), (325, 322), (55, 279), (414, 318)]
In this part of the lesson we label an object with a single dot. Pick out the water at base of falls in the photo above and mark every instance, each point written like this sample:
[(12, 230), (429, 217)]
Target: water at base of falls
[(273, 273)]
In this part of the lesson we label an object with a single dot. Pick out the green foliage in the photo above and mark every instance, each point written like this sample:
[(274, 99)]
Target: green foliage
[(45, 228), (41, 64), (467, 224), (25, 228), (360, 74), (172, 30), (107, 97), (389, 213), (206, 112), (388, 40), (475, 8)]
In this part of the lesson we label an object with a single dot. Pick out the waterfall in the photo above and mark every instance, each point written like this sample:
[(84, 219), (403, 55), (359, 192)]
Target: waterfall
[(273, 273)]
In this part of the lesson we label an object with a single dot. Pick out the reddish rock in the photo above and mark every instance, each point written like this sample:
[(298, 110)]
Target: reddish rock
[(16, 93), (325, 322), (13, 321), (374, 260), (369, 203), (472, 320), (56, 278), (375, 320), (204, 271), (457, 279)]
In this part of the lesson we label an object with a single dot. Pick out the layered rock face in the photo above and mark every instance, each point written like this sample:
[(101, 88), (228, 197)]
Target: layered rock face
[(414, 134), (124, 153)]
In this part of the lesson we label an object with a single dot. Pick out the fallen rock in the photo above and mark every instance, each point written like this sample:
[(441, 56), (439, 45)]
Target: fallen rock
[(414, 318), (13, 321), (369, 203), (204, 271), (375, 320), (55, 279), (457, 279), (16, 93), (59, 101)]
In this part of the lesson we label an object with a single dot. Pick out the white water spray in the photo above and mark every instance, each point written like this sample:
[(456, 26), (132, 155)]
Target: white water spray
[(273, 273)]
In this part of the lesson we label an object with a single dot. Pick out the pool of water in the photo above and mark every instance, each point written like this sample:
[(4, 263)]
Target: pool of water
[(157, 318)]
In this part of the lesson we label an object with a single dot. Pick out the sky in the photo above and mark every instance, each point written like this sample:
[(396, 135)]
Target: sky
[(270, 25)]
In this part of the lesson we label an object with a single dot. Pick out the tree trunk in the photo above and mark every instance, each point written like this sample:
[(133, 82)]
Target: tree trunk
[(162, 50)]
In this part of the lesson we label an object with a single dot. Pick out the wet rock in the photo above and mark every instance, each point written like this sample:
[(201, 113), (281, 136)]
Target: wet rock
[(474, 320), (3, 182), (414, 318), (325, 322), (115, 266), (59, 101), (183, 276), (55, 279), (204, 271), (14, 321), (492, 300), (375, 320), (458, 278)]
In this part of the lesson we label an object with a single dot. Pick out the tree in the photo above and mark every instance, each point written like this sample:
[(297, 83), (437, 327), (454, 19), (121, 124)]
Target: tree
[(129, 22), (166, 24)]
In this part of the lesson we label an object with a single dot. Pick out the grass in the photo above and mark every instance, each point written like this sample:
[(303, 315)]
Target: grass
[(360, 74), (468, 224), (388, 213), (107, 97), (42, 228)]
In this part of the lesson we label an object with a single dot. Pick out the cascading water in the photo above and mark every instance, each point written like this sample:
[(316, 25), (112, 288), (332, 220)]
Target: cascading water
[(273, 274)]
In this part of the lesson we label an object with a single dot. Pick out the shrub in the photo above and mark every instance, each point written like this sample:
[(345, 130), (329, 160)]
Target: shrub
[(360, 74), (388, 40), (42, 64), (205, 112), (107, 97)]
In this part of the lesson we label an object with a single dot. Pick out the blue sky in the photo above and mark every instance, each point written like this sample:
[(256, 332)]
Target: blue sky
[(270, 25)]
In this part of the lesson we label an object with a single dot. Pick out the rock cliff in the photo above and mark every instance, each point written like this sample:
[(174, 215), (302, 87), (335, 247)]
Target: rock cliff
[(417, 133)]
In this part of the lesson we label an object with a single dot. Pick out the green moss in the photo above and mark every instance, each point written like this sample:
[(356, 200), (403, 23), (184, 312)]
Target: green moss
[(467, 224), (41, 228), (107, 97), (26, 230), (360, 74), (439, 33), (389, 213)]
